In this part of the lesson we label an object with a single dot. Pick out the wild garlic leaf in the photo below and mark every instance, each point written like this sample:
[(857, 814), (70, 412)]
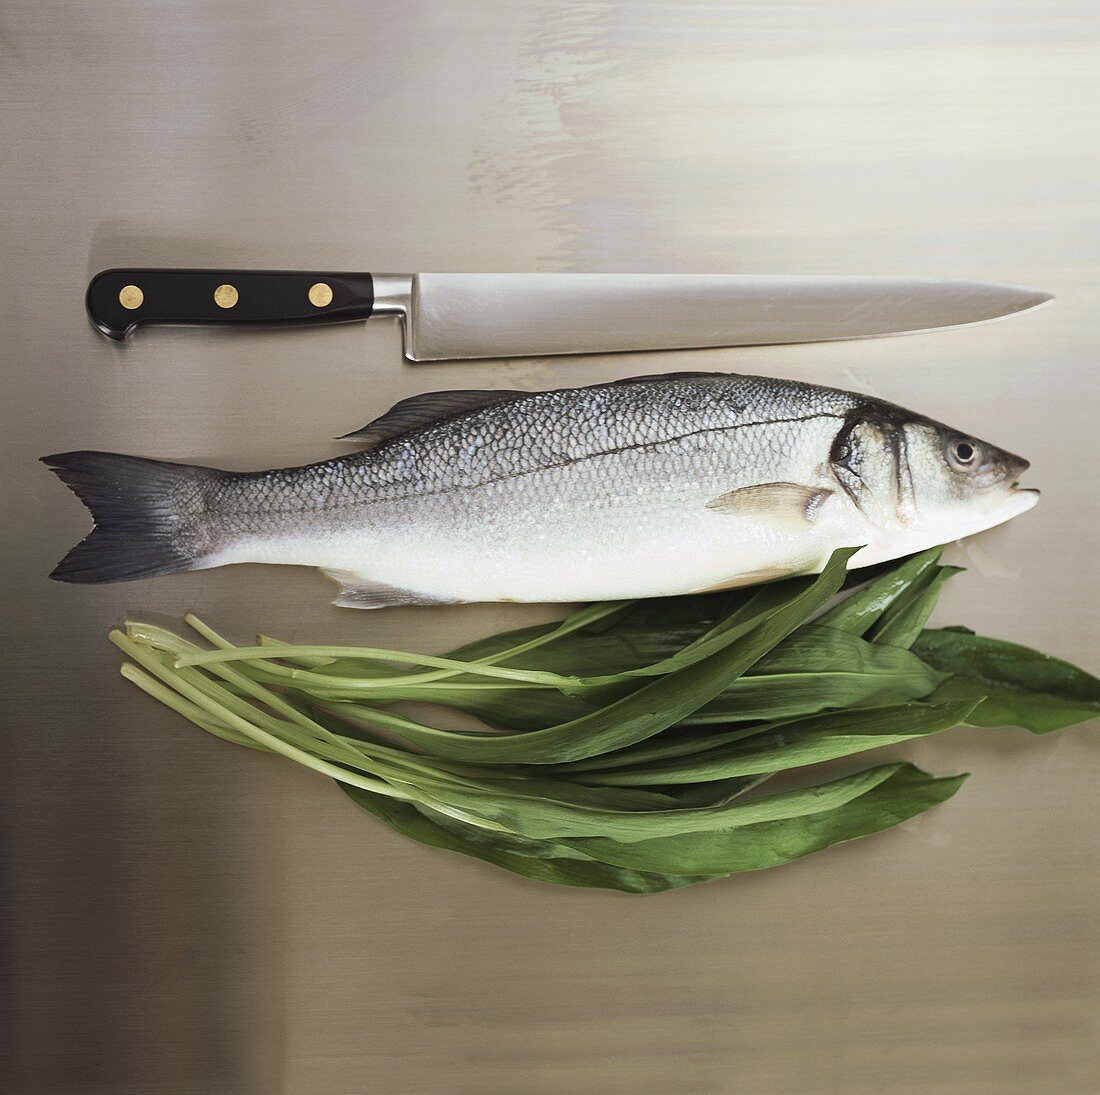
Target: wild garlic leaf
[(1023, 687), (796, 744), (545, 819), (859, 611), (814, 669), (905, 792), (901, 623), (818, 668), (409, 822), (635, 734), (654, 707)]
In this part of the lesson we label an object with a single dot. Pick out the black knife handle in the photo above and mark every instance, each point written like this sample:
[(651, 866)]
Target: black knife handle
[(120, 300)]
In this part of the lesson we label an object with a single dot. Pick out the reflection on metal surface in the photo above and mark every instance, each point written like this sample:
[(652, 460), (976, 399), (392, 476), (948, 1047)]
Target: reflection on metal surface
[(515, 315), (182, 919)]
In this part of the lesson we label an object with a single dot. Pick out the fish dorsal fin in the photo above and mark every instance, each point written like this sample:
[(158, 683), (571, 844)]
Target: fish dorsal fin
[(358, 591), (419, 411), (775, 503)]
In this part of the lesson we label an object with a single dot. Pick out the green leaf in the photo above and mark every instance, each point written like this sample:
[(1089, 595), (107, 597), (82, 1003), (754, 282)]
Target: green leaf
[(623, 653), (904, 793), (688, 610), (765, 603), (377, 684), (598, 654), (901, 623), (514, 709), (636, 733), (815, 668), (546, 819), (859, 612), (650, 709), (550, 642), (1023, 687), (521, 784), (606, 653), (711, 794), (908, 684), (797, 743), (543, 867), (681, 742)]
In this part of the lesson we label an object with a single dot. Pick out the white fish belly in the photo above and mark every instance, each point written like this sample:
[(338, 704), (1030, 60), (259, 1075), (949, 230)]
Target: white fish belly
[(590, 554), (607, 527)]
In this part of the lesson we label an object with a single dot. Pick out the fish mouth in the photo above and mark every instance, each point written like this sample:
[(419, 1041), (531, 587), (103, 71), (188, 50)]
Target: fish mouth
[(1019, 500)]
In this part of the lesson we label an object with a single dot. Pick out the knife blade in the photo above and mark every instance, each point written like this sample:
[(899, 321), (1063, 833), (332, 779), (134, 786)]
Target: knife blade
[(459, 316)]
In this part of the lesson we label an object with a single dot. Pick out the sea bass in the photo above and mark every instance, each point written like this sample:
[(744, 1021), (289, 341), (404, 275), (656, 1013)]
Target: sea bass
[(644, 487)]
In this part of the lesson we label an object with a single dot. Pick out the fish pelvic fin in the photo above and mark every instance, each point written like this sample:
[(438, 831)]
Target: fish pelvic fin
[(357, 591), (753, 577), (149, 516)]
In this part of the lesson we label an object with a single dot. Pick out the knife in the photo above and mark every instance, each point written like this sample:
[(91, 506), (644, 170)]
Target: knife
[(455, 316)]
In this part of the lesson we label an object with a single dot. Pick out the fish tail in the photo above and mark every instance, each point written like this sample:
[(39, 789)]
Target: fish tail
[(150, 516)]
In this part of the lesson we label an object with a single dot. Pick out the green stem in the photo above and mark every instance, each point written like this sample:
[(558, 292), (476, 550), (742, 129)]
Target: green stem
[(235, 722), (263, 654), (303, 732), (173, 644), (183, 707)]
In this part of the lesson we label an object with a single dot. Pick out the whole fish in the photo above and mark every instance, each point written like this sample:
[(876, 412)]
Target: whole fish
[(644, 487)]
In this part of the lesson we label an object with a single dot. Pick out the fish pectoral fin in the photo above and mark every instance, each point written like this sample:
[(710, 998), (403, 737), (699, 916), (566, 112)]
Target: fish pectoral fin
[(773, 502), (424, 410), (358, 591)]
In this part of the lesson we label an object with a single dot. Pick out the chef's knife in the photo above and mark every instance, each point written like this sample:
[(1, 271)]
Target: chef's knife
[(452, 316)]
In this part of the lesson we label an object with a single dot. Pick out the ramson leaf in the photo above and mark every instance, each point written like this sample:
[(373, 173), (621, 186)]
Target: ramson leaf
[(625, 746), (814, 669), (861, 610), (1022, 687), (584, 871), (905, 792), (648, 710), (547, 819), (901, 623), (795, 744)]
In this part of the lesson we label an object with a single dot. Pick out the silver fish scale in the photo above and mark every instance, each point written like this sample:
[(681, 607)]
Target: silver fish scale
[(537, 433), (552, 429)]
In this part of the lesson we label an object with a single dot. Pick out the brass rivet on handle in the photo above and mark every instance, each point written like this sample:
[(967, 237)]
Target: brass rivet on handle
[(320, 295), (225, 296), (130, 296)]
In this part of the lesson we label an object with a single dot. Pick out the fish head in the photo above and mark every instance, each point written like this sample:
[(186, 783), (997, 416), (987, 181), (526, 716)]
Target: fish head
[(925, 481)]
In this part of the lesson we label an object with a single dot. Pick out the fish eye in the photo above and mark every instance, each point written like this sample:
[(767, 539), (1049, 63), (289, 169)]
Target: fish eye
[(963, 453)]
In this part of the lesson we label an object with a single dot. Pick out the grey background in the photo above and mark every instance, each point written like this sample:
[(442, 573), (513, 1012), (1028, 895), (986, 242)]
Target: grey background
[(183, 917)]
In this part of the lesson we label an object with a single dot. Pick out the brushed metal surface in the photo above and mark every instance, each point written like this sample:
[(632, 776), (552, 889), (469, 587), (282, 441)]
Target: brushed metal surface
[(515, 315), (182, 917)]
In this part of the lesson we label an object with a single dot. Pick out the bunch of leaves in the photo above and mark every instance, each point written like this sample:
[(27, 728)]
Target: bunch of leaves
[(630, 746)]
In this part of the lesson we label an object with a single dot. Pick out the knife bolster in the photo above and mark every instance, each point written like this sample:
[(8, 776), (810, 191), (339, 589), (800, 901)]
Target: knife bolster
[(393, 294)]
